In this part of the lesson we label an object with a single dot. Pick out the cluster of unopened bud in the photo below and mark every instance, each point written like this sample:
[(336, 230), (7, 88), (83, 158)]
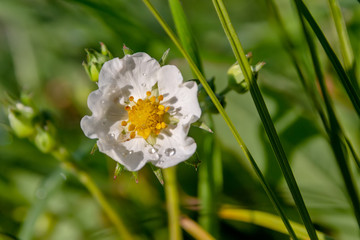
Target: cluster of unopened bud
[(95, 60), (27, 122)]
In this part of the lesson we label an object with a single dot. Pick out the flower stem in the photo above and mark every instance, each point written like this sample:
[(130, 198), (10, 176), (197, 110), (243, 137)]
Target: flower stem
[(172, 203), (62, 155), (210, 183), (265, 116), (223, 113)]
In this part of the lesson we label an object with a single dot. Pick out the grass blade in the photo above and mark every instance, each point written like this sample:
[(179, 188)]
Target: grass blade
[(345, 45), (265, 116), (335, 133), (184, 32), (264, 219), (344, 79)]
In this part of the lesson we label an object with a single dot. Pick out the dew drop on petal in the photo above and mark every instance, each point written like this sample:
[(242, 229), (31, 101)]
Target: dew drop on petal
[(170, 152), (143, 84), (152, 150), (156, 156), (144, 74), (130, 152), (102, 101)]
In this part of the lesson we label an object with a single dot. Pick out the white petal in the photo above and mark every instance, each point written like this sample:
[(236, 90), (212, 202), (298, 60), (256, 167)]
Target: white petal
[(89, 126), (132, 160), (185, 103), (174, 150), (110, 72), (140, 71), (169, 80)]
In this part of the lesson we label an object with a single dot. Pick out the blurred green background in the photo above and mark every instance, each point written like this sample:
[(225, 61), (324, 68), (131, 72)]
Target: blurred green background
[(42, 46)]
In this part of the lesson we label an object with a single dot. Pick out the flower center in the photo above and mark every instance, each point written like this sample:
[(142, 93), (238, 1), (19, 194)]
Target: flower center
[(146, 116)]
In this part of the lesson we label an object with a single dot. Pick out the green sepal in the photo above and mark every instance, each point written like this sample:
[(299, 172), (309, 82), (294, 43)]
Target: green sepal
[(126, 50), (94, 149), (136, 176), (158, 173), (164, 57), (194, 161), (118, 169), (203, 126)]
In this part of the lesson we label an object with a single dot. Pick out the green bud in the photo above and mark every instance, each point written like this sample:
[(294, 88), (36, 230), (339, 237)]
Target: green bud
[(127, 51), (95, 60), (45, 138), (236, 79), (21, 120)]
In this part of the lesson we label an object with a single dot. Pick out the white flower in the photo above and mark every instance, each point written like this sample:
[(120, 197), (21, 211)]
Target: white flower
[(142, 113)]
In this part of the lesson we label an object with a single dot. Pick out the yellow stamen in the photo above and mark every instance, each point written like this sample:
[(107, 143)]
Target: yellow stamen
[(132, 135), (131, 127), (146, 116)]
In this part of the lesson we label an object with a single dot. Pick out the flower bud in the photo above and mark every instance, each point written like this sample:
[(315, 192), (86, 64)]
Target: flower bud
[(236, 79), (95, 60), (21, 120), (45, 138)]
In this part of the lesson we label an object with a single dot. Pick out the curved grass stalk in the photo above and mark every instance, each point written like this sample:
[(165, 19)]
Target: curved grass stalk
[(266, 220), (344, 79), (223, 113), (194, 229), (47, 188), (265, 116), (63, 156), (335, 132)]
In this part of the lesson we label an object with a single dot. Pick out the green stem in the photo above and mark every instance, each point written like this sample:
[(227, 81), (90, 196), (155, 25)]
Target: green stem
[(222, 112), (208, 186), (86, 180), (344, 79), (265, 116), (335, 133), (172, 203)]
